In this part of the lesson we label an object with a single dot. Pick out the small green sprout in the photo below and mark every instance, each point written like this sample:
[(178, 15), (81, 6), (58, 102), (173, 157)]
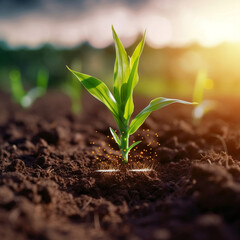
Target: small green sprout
[(120, 103), (204, 106), (73, 90), (23, 98)]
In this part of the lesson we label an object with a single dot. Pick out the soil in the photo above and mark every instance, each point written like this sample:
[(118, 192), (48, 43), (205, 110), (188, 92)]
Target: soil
[(49, 187)]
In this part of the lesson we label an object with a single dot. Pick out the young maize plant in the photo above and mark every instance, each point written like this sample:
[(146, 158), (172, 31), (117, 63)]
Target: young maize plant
[(26, 98), (120, 103), (73, 89)]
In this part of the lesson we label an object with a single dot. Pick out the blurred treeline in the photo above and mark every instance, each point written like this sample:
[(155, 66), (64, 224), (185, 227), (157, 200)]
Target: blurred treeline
[(171, 70)]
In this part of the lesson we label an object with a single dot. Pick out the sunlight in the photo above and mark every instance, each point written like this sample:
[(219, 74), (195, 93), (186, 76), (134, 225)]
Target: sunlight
[(213, 31), (167, 24)]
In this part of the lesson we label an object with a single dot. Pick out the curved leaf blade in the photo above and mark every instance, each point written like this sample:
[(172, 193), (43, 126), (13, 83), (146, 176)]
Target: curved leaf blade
[(135, 58), (121, 69), (129, 106), (115, 136), (133, 145), (133, 79), (154, 105), (98, 89)]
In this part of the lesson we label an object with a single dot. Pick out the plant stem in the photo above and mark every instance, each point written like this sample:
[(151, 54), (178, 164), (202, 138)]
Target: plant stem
[(124, 146)]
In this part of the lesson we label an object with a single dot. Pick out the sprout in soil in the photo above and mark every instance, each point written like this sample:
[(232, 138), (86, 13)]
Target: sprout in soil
[(204, 106), (27, 98), (120, 103), (73, 89)]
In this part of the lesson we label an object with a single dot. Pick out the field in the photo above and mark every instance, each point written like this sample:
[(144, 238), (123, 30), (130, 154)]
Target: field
[(49, 187)]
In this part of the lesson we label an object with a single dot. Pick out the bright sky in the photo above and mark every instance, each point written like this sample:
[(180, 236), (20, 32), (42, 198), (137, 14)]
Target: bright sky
[(70, 22)]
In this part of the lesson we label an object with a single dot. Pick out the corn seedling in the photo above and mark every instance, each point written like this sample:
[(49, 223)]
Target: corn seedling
[(73, 89), (204, 106), (27, 98), (120, 103)]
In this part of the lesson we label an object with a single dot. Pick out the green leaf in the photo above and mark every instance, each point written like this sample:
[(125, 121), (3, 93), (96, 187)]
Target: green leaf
[(133, 145), (153, 106), (16, 86), (115, 136), (133, 79), (42, 78), (98, 89), (121, 70), (135, 58)]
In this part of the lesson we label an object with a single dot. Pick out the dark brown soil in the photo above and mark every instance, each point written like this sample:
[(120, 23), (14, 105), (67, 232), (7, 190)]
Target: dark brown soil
[(49, 188)]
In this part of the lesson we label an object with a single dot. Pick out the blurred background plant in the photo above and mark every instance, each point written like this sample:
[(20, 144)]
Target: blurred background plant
[(27, 98), (73, 89), (204, 105)]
